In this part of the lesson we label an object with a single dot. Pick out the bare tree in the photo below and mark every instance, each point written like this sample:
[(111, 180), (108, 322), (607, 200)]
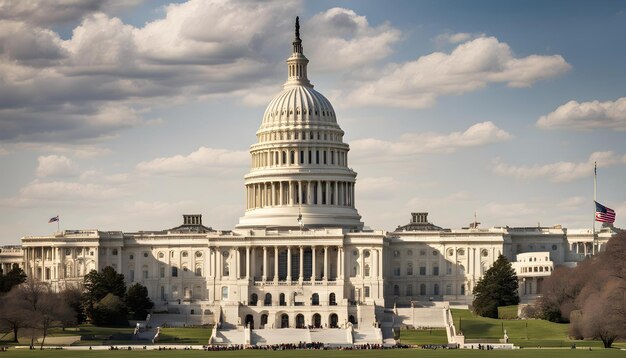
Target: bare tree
[(13, 316)]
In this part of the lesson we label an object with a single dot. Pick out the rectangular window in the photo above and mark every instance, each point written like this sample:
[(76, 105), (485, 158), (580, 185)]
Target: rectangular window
[(145, 274), (367, 291), (325, 157), (332, 157), (435, 270), (317, 157), (174, 271), (131, 274), (224, 293), (422, 270), (396, 271), (162, 272)]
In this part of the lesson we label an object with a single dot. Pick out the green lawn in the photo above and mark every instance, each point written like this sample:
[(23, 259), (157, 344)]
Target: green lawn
[(523, 333), (507, 312), (420, 337), (94, 335), (395, 353)]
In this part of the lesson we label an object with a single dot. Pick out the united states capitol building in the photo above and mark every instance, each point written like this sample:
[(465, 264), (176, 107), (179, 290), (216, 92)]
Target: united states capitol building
[(300, 255)]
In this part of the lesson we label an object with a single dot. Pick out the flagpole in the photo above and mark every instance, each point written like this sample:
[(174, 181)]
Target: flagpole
[(595, 189), (58, 223)]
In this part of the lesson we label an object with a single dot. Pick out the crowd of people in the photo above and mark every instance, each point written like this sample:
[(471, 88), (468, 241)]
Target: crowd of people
[(301, 345)]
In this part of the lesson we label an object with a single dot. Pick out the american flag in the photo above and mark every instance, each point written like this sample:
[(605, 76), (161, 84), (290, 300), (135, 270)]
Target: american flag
[(54, 219), (604, 214)]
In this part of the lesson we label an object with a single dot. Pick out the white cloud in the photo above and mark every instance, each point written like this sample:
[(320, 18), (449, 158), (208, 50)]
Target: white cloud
[(587, 115), (204, 159), (61, 191), (454, 38), (470, 66), (56, 166), (349, 37), (408, 144), (558, 172), (45, 12), (572, 203)]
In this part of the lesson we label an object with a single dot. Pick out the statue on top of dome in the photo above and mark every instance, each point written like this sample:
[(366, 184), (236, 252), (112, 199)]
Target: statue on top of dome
[(297, 27)]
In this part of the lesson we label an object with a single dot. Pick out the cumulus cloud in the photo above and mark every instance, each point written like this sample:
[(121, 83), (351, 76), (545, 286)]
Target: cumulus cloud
[(558, 172), (587, 115), (56, 166), (470, 66), (454, 38), (349, 37), (204, 159), (44, 12), (102, 78), (413, 143)]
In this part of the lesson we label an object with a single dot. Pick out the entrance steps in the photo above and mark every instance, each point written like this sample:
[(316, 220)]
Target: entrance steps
[(370, 335), (331, 336), (269, 336)]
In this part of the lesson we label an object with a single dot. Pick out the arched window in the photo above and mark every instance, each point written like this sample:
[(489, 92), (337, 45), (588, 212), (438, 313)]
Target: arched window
[(281, 300), (268, 299), (174, 271), (409, 290), (315, 299), (332, 300), (254, 299), (396, 290), (409, 269), (184, 254), (300, 321), (423, 289), (198, 271), (436, 289)]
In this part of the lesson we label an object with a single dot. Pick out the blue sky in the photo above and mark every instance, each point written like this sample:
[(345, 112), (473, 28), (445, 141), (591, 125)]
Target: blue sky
[(123, 115)]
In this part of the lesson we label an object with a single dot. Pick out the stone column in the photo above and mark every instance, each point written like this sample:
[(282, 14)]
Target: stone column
[(301, 275), (313, 268), (327, 184), (336, 194), (288, 263), (309, 193), (376, 258), (339, 259), (276, 264), (280, 193), (325, 277), (319, 193), (362, 264), (247, 262), (264, 276)]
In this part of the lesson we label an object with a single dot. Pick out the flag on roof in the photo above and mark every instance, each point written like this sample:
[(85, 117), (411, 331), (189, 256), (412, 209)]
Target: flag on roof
[(604, 214), (54, 219)]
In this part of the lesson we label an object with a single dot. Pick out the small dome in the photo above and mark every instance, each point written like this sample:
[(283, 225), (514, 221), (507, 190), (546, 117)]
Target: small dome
[(299, 105)]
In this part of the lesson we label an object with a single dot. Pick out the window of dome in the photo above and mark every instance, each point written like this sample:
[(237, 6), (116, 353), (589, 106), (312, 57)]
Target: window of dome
[(198, 253), (435, 252), (422, 252), (69, 252), (553, 247), (484, 253), (366, 254), (460, 252), (225, 254), (131, 256), (396, 253), (161, 255), (185, 254), (355, 253), (145, 254), (450, 252), (409, 252)]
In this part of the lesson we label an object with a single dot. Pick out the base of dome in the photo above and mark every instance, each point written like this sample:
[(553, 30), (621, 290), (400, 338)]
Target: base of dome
[(312, 217)]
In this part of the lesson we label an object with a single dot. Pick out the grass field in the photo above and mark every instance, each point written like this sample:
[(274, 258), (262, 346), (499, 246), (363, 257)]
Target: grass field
[(93, 336), (523, 333), (507, 312), (395, 353), (420, 337)]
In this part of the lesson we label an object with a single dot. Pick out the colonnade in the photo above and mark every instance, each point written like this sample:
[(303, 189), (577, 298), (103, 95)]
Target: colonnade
[(299, 157), (274, 264), (311, 192)]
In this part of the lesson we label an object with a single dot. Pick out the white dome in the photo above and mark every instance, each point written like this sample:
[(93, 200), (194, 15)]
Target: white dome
[(299, 105)]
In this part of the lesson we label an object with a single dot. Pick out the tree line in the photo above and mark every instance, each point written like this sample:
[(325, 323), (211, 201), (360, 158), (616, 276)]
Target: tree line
[(591, 297), (102, 298)]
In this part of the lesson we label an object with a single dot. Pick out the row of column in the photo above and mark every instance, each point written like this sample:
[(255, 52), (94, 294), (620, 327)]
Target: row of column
[(315, 156), (317, 192)]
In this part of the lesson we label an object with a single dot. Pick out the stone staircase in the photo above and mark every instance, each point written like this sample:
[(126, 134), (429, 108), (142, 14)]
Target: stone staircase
[(332, 336), (370, 335), (229, 337), (262, 337), (422, 317)]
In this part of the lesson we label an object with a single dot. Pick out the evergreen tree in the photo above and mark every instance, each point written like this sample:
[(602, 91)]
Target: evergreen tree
[(100, 284), (497, 287), (137, 301), (11, 279)]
